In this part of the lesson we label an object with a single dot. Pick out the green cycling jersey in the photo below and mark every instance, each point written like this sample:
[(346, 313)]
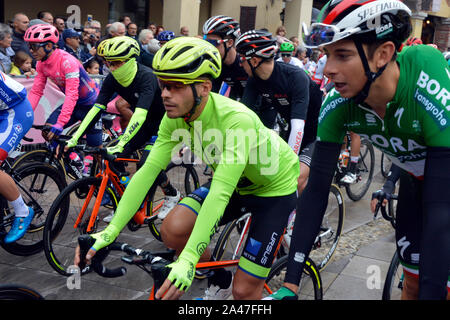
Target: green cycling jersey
[(417, 117), (245, 155)]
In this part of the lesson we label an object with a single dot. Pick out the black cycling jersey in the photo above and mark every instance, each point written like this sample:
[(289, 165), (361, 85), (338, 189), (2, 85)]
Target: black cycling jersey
[(291, 93), (143, 92), (233, 75)]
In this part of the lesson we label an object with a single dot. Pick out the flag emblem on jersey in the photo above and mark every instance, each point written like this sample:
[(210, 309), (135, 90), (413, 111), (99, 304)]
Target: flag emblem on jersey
[(253, 247), (18, 128), (225, 89)]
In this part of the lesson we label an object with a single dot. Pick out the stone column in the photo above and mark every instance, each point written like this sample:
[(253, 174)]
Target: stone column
[(442, 34), (178, 13), (417, 21), (297, 12)]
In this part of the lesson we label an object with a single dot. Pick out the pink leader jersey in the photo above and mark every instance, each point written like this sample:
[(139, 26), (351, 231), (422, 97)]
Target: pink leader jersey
[(69, 75)]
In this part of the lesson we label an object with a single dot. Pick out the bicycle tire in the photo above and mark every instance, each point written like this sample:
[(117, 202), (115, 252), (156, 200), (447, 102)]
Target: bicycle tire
[(18, 292), (41, 156), (184, 182), (391, 278), (40, 194), (385, 165), (310, 287), (349, 188), (60, 236), (320, 255), (227, 242)]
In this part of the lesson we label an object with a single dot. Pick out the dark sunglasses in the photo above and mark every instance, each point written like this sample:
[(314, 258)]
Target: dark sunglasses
[(113, 63), (286, 55), (36, 46)]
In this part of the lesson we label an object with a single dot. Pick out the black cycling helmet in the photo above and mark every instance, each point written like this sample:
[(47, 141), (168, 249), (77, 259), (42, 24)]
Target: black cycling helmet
[(222, 26), (257, 43)]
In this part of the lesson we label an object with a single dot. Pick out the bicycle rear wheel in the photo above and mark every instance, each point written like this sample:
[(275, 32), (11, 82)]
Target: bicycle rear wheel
[(60, 233), (310, 287), (18, 292), (364, 172), (393, 285), (41, 156), (184, 178), (385, 165), (330, 229), (39, 184)]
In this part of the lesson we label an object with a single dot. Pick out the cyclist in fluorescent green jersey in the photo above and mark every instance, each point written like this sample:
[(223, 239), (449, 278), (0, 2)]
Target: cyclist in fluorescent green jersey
[(400, 101), (252, 166)]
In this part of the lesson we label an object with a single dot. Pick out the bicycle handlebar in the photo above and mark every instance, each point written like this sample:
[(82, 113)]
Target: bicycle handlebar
[(380, 207), (157, 261)]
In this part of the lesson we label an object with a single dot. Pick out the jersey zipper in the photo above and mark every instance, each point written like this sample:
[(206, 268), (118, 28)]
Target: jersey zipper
[(374, 113)]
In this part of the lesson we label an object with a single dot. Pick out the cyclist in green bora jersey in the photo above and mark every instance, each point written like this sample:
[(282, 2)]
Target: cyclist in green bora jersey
[(401, 102)]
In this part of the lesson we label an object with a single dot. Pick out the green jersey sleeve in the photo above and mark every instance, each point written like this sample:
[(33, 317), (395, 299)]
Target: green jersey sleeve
[(332, 118)]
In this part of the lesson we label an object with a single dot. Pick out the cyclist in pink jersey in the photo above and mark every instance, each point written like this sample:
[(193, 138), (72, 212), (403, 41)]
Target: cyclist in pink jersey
[(70, 77)]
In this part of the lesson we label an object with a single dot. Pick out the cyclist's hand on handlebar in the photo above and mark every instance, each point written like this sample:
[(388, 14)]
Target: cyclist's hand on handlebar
[(102, 239), (114, 150), (70, 144), (377, 196), (179, 280), (55, 131)]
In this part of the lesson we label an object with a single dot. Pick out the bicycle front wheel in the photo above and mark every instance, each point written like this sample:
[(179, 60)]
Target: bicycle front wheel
[(65, 222), (39, 184), (393, 285), (330, 230), (310, 287), (364, 172)]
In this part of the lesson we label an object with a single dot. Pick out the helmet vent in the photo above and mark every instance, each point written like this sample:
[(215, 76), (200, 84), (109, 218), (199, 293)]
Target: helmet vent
[(180, 52)]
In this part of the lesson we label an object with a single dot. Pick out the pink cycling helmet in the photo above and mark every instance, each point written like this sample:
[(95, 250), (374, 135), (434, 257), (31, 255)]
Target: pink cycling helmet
[(41, 33)]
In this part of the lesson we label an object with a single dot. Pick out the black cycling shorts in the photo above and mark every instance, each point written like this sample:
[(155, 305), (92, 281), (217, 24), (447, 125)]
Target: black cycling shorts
[(269, 219)]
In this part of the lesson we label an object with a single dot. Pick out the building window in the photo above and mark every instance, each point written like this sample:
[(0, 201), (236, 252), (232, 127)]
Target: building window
[(247, 19)]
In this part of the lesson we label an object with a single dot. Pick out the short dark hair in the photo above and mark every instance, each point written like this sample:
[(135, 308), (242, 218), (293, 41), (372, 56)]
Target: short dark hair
[(41, 14)]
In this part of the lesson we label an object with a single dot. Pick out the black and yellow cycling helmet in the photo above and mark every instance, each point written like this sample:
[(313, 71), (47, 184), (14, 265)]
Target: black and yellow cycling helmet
[(119, 49), (187, 58)]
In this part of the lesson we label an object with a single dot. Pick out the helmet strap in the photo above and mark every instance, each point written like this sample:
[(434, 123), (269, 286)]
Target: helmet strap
[(47, 52), (254, 68), (197, 101), (371, 76)]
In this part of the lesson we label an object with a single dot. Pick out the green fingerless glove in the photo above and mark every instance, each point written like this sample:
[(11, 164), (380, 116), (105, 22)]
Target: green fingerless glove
[(116, 149), (182, 273), (71, 143), (105, 238)]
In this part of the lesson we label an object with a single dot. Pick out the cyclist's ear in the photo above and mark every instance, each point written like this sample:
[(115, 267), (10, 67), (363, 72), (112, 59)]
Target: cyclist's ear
[(205, 88), (230, 43), (384, 54)]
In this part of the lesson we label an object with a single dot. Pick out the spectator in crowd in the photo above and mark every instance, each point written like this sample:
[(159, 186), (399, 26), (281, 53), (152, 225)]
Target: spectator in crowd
[(301, 55), (132, 30), (117, 29), (89, 41), (20, 25), (6, 52), (96, 26), (60, 25), (45, 16), (34, 22), (145, 39), (92, 67), (145, 36), (184, 31), (296, 43), (281, 35), (152, 26), (22, 65), (148, 41), (126, 20), (159, 29), (72, 45)]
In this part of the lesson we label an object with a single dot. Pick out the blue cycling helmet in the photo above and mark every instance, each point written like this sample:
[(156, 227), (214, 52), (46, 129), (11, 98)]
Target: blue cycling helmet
[(165, 35)]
